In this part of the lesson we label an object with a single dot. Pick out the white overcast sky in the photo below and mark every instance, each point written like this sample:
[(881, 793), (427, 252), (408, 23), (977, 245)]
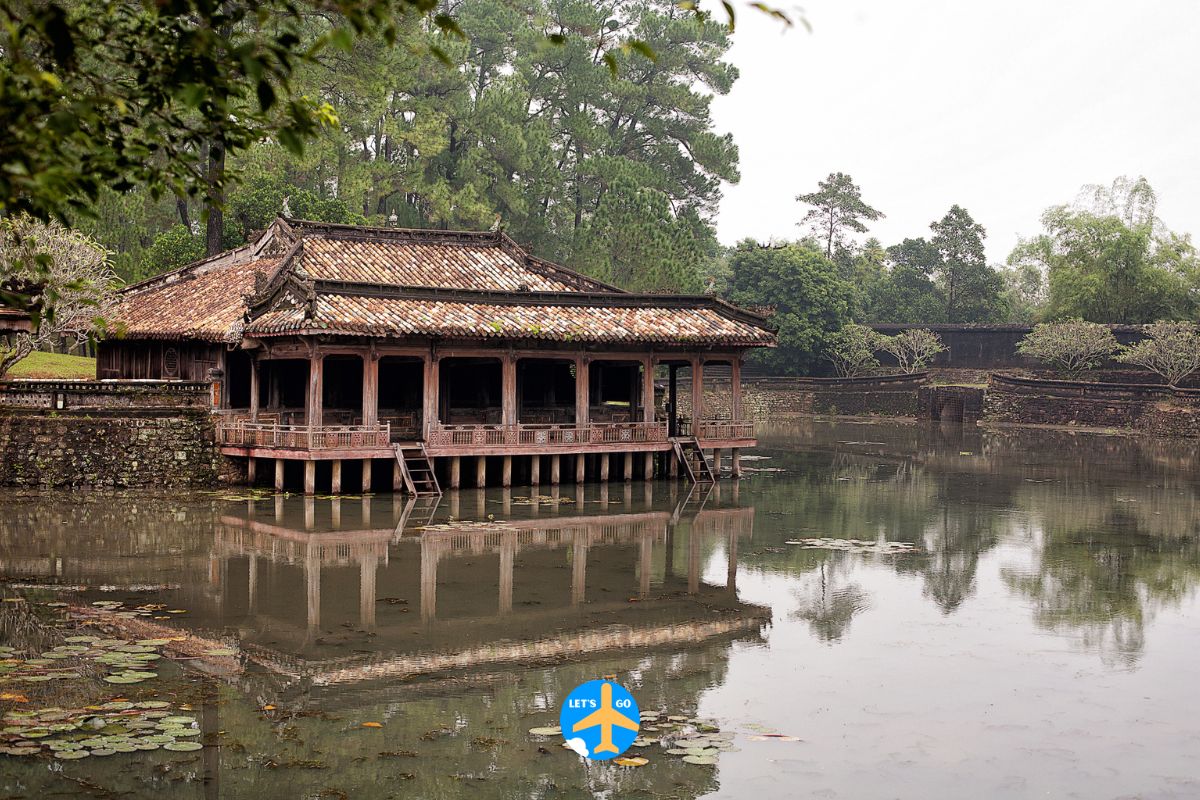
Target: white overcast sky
[(1002, 107)]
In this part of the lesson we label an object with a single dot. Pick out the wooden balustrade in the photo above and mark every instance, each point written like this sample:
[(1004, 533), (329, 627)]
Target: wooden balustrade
[(717, 429), (239, 433)]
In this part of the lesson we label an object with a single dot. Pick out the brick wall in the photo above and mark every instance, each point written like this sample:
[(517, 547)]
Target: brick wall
[(765, 398)]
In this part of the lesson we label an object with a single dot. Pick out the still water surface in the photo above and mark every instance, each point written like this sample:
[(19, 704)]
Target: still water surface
[(1041, 641)]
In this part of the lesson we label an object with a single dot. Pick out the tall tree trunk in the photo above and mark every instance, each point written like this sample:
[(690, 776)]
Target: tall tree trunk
[(215, 199), (181, 205)]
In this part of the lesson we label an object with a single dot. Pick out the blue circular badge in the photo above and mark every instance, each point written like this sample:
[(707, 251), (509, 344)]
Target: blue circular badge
[(599, 720)]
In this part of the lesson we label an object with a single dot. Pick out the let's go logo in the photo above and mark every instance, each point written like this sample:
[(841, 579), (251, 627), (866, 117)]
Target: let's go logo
[(599, 719)]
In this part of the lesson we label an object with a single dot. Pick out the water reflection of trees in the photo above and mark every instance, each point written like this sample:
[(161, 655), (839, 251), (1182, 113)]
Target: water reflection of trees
[(1106, 563), (1112, 523)]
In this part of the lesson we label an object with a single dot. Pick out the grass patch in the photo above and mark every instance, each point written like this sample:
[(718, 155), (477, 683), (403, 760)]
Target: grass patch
[(53, 365)]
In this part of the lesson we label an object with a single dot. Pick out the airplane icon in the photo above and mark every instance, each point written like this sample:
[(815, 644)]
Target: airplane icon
[(606, 717)]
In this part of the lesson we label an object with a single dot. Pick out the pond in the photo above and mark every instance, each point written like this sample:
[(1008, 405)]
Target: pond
[(1016, 616)]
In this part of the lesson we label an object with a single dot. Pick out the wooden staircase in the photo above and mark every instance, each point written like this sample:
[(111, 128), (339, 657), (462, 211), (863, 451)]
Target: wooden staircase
[(691, 457), (417, 469)]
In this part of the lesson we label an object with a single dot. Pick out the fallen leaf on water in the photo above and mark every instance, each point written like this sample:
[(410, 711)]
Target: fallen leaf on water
[(268, 707), (372, 724), (631, 762), (14, 697)]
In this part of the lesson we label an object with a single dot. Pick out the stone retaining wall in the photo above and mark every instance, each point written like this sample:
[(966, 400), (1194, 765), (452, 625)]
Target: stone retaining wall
[(1156, 409), (766, 398), (59, 434)]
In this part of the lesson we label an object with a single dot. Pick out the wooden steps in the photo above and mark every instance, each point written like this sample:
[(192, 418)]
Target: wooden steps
[(691, 457), (417, 470)]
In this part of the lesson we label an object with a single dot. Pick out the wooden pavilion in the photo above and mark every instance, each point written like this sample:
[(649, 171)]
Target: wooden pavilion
[(329, 344)]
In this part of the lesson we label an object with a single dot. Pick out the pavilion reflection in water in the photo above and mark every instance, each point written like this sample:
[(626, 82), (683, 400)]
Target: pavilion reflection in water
[(558, 578)]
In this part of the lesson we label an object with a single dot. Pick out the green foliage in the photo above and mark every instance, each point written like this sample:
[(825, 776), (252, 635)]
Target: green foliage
[(970, 287), (1111, 260), (837, 209), (1170, 350), (906, 291), (634, 241), (810, 300), (171, 249), (1071, 346), (852, 350)]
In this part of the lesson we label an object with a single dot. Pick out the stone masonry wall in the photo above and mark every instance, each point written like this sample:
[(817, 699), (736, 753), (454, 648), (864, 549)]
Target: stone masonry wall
[(119, 449), (765, 399)]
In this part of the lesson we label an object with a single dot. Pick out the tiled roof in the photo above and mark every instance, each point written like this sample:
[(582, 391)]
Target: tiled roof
[(302, 276), (646, 322), (205, 302), (474, 264)]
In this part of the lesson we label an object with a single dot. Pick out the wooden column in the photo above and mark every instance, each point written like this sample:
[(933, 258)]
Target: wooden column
[(254, 389), (508, 389), (580, 468), (735, 379), (628, 476), (649, 466), (697, 393), (335, 481), (583, 395), (251, 470), (310, 477), (555, 469), (648, 389), (506, 472), (716, 463), (316, 391), (481, 471), (365, 485), (673, 400), (432, 380), (535, 471), (370, 391), (397, 476), (455, 472), (735, 462), (279, 474), (605, 462)]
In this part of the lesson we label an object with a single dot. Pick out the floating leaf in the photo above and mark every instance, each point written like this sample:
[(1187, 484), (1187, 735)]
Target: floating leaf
[(72, 754), (547, 731), (637, 761), (372, 724), (183, 747), (706, 760)]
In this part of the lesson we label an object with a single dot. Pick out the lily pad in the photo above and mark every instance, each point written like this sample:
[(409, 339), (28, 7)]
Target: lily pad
[(706, 760), (71, 755), (183, 747)]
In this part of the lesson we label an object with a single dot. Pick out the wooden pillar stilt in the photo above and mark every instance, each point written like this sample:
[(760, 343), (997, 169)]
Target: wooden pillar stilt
[(672, 464), (279, 474), (649, 466), (251, 470), (370, 390), (716, 462), (605, 462), (481, 471), (397, 477), (535, 470), (735, 462), (455, 471), (506, 472), (365, 485), (310, 477), (555, 469), (335, 479), (314, 413), (628, 473), (580, 468)]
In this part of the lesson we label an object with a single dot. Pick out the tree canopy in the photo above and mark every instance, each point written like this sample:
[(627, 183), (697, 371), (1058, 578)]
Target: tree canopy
[(837, 209)]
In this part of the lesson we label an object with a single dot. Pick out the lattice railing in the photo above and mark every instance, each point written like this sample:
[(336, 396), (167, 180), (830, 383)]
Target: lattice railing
[(239, 433), (717, 429)]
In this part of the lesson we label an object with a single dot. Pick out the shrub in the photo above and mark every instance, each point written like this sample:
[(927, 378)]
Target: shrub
[(1071, 346), (1170, 349), (913, 349), (852, 350)]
